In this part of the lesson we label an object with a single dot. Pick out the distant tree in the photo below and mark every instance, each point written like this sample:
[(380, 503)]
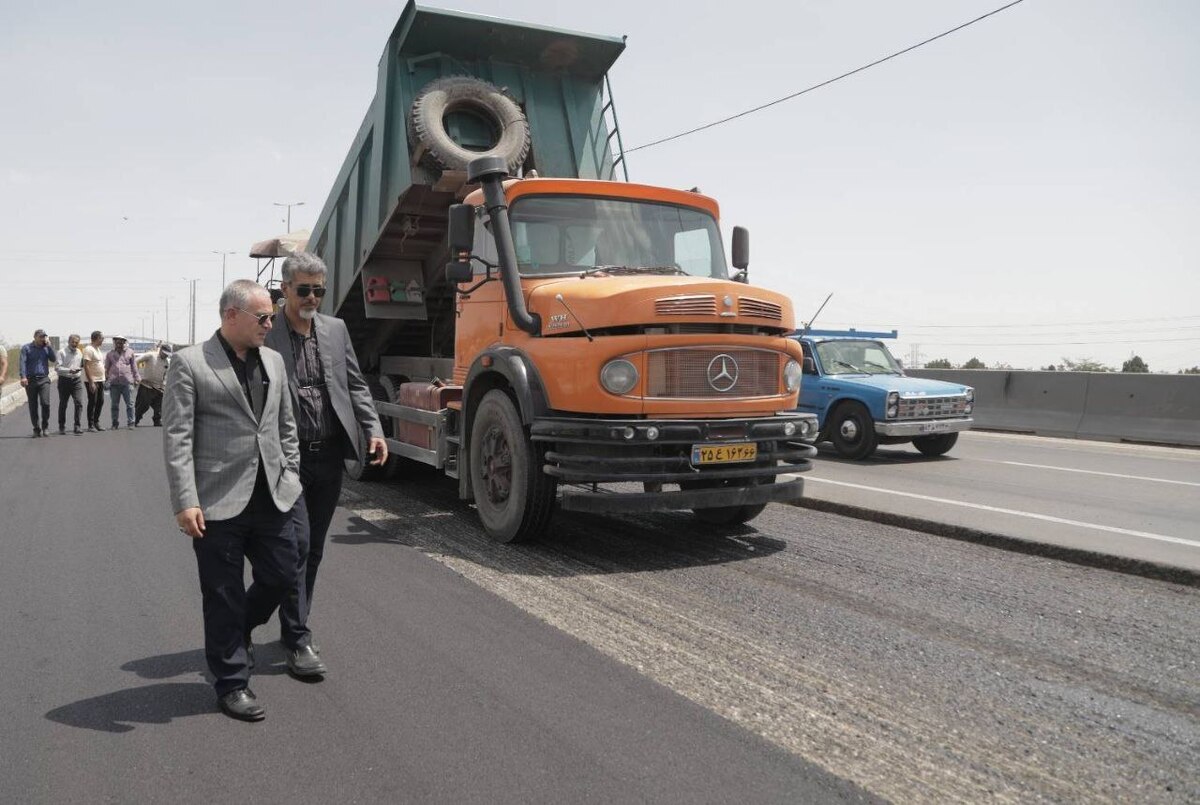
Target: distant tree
[(940, 363), (1135, 364), (1085, 365), (974, 363), (1050, 368), (1002, 365), (1195, 370)]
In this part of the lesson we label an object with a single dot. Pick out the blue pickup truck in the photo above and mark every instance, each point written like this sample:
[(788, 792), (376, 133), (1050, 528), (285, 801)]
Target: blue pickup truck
[(862, 398)]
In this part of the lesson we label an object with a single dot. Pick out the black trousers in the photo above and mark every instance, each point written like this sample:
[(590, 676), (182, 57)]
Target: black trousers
[(95, 403), (321, 478), (69, 388), (264, 535), (38, 395), (148, 398)]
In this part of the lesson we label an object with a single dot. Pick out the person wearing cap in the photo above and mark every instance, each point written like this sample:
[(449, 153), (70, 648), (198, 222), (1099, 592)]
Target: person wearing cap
[(93, 379), (70, 382), (120, 368), (153, 368), (34, 369)]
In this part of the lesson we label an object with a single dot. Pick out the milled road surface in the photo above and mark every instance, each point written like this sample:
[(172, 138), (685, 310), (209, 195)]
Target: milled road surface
[(922, 668), (440, 691)]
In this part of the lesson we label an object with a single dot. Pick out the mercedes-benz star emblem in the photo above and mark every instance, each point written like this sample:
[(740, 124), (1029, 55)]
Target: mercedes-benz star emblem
[(722, 372)]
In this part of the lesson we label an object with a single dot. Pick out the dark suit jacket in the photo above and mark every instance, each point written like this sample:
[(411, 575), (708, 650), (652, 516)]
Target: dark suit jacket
[(348, 390)]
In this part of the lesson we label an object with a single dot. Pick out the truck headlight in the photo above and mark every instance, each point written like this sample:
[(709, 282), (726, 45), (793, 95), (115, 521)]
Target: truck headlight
[(893, 404), (791, 376), (619, 376)]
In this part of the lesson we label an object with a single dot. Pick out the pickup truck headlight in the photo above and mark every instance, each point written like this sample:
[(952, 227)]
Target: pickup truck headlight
[(893, 404), (791, 376), (619, 376)]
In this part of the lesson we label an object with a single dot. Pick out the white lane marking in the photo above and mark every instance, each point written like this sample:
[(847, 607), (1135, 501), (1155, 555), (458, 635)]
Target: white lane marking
[(1090, 472), (1062, 520)]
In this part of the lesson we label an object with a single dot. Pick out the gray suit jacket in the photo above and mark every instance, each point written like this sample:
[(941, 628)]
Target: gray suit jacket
[(348, 390), (212, 441)]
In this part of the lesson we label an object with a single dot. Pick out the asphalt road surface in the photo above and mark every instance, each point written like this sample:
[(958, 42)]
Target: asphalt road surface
[(806, 657), (440, 691), (1138, 502)]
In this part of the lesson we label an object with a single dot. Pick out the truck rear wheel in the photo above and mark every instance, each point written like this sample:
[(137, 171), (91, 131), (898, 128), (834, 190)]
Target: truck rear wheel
[(726, 515), (935, 445), (852, 431), (515, 498)]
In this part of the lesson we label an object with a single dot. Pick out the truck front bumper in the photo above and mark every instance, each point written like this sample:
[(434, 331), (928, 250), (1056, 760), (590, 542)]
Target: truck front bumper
[(606, 451), (927, 427)]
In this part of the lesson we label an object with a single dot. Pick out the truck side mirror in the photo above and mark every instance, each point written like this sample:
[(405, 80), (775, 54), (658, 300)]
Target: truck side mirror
[(741, 248), (810, 366), (459, 272), (460, 231)]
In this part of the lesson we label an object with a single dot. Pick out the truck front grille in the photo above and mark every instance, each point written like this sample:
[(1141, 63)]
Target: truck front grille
[(759, 309), (709, 372), (932, 407), (697, 305)]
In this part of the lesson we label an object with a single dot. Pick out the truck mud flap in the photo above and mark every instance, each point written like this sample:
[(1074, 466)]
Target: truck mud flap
[(633, 502)]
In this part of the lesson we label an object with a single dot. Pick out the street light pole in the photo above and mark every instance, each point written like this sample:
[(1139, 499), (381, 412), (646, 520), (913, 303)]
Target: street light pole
[(289, 206), (167, 319), (223, 254), (192, 304)]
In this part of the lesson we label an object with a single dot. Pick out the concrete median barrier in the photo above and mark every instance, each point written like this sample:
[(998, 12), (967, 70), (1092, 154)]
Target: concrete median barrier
[(1090, 405), (11, 398)]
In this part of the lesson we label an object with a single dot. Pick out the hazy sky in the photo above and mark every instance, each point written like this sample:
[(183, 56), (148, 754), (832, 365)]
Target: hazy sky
[(1026, 184)]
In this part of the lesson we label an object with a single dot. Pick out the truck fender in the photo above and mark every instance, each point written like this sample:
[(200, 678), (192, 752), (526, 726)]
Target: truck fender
[(512, 369)]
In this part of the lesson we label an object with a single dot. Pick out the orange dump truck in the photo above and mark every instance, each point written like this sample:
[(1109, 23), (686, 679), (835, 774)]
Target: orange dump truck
[(545, 334)]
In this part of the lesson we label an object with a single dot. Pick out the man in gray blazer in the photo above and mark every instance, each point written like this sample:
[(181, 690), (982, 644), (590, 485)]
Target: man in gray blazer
[(233, 470), (335, 418)]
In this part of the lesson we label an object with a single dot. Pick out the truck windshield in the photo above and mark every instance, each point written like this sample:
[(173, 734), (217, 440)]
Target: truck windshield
[(562, 234), (849, 356)]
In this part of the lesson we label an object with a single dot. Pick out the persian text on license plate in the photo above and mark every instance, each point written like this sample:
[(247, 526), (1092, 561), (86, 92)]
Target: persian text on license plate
[(935, 427), (723, 453)]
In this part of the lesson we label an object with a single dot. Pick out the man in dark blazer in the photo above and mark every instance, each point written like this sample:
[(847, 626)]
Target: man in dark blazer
[(233, 469), (335, 418)]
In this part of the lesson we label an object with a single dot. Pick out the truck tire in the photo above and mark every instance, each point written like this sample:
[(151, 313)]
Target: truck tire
[(384, 390), (935, 445), (515, 498), (726, 515), (852, 431), (469, 97)]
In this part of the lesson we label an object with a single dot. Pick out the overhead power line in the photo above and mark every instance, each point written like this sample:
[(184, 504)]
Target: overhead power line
[(825, 83), (915, 326)]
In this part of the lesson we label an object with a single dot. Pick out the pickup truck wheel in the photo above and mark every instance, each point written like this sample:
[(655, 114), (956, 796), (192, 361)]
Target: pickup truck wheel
[(936, 445), (725, 515), (852, 431), (515, 498)]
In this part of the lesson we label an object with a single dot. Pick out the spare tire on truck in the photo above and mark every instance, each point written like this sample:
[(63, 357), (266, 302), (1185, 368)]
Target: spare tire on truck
[(459, 118)]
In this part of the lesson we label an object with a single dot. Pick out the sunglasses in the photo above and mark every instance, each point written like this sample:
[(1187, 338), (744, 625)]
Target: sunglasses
[(263, 318), (303, 291)]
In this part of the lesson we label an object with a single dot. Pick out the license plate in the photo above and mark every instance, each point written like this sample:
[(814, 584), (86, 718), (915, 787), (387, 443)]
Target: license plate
[(723, 453), (935, 427)]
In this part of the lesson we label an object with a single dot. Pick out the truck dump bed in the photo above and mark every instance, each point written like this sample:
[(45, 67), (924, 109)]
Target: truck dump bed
[(382, 228)]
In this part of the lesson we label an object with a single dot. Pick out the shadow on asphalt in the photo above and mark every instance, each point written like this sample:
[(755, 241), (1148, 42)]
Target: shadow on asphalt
[(577, 544), (883, 455), (149, 704)]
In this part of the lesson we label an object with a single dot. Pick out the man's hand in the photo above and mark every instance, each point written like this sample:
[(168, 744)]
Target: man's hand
[(91, 385), (378, 448), (191, 522), (24, 382)]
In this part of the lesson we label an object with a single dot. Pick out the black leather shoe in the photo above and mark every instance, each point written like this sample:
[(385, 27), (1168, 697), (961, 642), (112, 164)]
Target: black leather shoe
[(242, 705), (98, 428), (304, 662), (62, 431), (78, 429)]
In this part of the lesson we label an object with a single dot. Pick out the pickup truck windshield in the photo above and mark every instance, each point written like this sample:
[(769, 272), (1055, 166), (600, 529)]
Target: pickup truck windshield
[(849, 356), (562, 234)]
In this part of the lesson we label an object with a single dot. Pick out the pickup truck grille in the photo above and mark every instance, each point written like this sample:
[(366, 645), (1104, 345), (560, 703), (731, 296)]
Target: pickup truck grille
[(698, 305), (932, 407), (759, 309), (685, 373)]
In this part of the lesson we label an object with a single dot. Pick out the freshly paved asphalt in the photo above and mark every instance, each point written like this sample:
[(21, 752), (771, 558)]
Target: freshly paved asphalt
[(439, 690)]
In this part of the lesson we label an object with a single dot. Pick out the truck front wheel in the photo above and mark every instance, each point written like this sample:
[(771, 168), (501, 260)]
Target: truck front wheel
[(852, 431), (515, 498), (936, 445)]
